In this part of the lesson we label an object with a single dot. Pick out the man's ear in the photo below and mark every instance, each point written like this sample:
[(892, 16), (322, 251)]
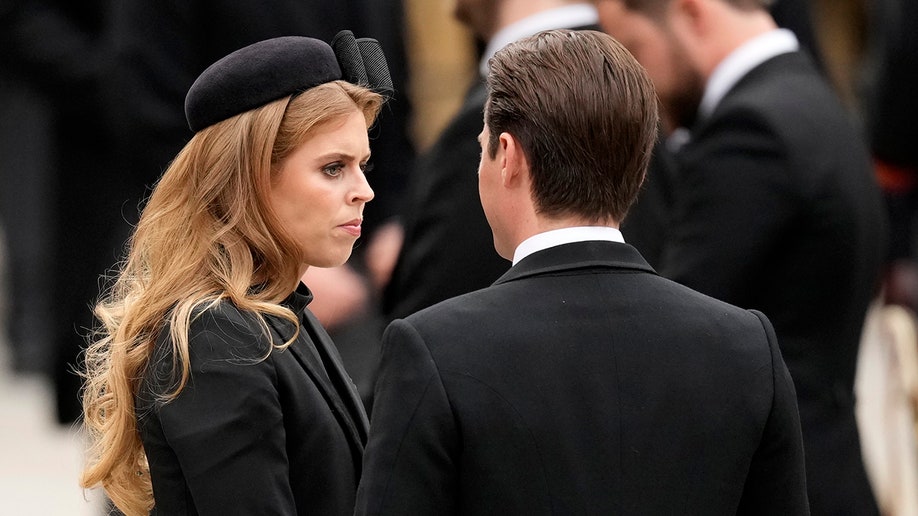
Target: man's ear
[(514, 163), (691, 14)]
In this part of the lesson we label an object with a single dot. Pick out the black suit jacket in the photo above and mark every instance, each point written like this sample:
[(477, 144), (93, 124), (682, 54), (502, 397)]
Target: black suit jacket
[(583, 383), (249, 434), (777, 210)]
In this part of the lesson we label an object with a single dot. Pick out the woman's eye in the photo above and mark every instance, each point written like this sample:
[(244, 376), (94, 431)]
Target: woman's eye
[(366, 167), (333, 170)]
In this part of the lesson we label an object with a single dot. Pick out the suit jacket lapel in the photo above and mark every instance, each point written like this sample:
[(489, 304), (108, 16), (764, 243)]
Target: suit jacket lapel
[(334, 367), (354, 425)]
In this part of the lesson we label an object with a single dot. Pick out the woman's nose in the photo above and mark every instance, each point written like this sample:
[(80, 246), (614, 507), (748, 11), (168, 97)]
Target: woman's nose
[(362, 190)]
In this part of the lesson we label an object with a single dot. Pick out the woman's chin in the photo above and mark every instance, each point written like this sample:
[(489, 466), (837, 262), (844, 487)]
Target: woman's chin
[(328, 262)]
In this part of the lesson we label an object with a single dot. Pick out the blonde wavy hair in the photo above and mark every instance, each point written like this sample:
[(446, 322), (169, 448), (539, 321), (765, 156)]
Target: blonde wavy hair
[(207, 233)]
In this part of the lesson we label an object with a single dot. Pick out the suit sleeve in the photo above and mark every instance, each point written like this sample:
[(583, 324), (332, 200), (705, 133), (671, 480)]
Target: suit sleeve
[(226, 427), (734, 204), (410, 463), (776, 483)]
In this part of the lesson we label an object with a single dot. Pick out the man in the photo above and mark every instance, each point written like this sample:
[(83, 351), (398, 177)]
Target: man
[(775, 208), (447, 247), (580, 382)]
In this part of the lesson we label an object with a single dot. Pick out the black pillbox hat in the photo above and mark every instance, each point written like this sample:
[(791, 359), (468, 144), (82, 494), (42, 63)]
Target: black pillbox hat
[(275, 68)]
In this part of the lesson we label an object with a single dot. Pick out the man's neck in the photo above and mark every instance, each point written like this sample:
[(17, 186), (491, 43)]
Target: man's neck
[(565, 235), (512, 11), (731, 29), (741, 61), (521, 19)]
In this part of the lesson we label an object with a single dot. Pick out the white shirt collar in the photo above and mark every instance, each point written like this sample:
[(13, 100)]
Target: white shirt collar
[(562, 236), (568, 16), (741, 61)]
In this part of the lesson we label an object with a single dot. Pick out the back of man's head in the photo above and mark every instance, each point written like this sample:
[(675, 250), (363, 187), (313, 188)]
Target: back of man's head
[(585, 114)]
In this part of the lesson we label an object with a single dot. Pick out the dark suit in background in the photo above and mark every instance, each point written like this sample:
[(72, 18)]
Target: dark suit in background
[(775, 206), (448, 248), (647, 224), (797, 15), (777, 210), (60, 51), (26, 159), (890, 107)]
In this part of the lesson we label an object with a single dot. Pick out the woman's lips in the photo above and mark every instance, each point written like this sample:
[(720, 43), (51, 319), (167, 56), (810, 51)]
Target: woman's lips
[(352, 227)]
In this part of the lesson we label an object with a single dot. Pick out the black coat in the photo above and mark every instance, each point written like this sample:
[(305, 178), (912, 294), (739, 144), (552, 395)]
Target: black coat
[(777, 210), (583, 383), (249, 434)]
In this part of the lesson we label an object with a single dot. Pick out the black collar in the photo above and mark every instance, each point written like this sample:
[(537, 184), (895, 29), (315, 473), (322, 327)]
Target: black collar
[(298, 299)]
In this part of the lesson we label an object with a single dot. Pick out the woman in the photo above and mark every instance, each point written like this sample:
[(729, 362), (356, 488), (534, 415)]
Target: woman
[(211, 389)]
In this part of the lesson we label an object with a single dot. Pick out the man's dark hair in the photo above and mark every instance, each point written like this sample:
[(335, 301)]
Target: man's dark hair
[(585, 114)]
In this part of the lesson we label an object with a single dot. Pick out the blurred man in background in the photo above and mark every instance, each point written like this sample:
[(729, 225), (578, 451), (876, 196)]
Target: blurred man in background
[(776, 207)]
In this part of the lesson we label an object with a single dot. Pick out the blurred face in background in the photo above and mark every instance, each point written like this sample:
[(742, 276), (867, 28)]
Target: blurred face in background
[(478, 15), (655, 44)]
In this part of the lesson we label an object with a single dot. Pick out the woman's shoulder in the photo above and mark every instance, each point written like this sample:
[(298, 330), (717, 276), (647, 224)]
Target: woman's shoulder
[(220, 328), (218, 334)]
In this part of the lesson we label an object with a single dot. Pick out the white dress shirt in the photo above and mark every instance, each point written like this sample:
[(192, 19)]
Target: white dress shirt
[(561, 236), (741, 61), (731, 70)]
